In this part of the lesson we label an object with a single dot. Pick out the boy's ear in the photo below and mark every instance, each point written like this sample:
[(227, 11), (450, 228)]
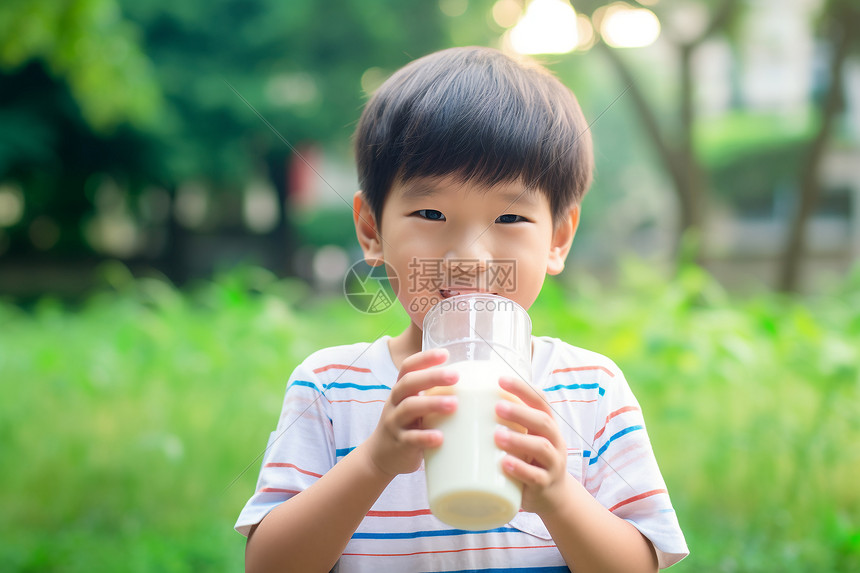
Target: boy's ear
[(562, 239), (367, 230)]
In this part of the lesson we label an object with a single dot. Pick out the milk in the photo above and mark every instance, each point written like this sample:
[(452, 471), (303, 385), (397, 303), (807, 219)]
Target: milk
[(466, 486)]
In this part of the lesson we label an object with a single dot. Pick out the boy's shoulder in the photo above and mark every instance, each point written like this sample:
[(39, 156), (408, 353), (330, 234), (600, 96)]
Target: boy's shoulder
[(560, 357), (356, 358), (323, 354), (582, 375)]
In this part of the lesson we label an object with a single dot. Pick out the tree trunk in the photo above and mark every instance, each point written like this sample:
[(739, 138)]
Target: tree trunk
[(281, 240), (692, 192), (680, 160), (678, 153), (810, 185)]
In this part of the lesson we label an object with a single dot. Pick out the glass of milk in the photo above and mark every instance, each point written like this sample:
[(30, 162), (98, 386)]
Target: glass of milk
[(487, 336)]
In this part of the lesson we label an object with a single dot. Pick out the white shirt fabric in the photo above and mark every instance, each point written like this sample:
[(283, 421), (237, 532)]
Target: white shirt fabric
[(333, 402)]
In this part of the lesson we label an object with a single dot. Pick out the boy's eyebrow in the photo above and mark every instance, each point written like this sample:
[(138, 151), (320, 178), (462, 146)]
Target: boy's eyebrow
[(421, 188), (418, 189), (527, 195)]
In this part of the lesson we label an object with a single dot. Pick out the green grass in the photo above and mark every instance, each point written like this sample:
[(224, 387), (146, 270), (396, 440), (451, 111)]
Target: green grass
[(131, 426)]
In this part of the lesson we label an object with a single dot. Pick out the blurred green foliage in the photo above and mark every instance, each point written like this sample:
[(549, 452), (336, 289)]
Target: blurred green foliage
[(77, 93), (94, 48), (326, 226), (165, 68), (154, 93), (132, 426), (738, 135)]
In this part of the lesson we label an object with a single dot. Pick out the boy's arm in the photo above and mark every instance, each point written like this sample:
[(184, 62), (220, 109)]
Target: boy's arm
[(594, 539), (309, 531), (589, 537)]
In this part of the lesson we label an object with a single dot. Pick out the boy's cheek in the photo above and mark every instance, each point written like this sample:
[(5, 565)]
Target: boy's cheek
[(393, 279)]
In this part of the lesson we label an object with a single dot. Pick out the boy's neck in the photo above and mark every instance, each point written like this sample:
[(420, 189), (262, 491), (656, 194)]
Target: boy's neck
[(404, 344)]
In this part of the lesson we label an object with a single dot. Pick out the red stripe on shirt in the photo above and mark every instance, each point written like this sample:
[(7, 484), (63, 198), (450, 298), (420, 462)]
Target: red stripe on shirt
[(295, 467), (278, 490), (356, 401), (405, 513), (612, 415), (637, 498), (448, 551), (582, 369), (341, 367)]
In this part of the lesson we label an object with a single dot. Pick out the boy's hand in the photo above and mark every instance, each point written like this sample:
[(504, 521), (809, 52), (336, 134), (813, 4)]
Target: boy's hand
[(539, 458), (397, 444)]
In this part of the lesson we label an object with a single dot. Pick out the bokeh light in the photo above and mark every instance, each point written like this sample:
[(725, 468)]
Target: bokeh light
[(506, 13), (11, 205), (547, 27), (585, 32), (192, 205), (453, 8), (260, 207), (623, 26), (371, 79)]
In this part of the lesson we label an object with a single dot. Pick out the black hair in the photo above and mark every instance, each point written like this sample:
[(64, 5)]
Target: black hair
[(480, 115)]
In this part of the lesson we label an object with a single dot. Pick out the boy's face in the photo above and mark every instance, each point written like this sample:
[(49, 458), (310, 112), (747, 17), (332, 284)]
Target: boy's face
[(442, 236)]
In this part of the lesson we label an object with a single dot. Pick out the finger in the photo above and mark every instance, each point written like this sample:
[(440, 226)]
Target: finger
[(413, 408), (526, 392), (422, 360), (528, 474), (531, 449), (535, 421), (418, 381), (422, 438)]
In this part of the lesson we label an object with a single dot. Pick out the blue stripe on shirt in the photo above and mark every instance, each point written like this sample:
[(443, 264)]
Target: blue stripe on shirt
[(592, 386), (357, 386), (305, 383), (340, 385), (614, 437), (433, 533)]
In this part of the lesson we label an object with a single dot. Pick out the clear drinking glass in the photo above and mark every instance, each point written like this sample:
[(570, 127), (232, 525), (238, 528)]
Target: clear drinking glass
[(487, 336)]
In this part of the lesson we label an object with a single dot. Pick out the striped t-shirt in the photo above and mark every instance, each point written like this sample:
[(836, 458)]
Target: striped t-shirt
[(333, 402)]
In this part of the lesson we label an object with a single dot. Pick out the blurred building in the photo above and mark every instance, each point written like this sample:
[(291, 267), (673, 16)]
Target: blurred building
[(759, 96), (782, 71)]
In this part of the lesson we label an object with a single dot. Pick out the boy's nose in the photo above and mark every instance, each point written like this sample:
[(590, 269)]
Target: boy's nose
[(468, 255)]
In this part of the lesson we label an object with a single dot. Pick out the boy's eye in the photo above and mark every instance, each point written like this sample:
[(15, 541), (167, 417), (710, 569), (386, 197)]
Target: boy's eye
[(509, 218), (431, 214)]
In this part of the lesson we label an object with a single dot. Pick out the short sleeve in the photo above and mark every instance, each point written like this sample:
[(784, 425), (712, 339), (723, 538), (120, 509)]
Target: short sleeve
[(621, 471), (298, 452)]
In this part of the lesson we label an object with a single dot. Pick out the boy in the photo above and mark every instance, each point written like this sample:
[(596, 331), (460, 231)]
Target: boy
[(468, 159)]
